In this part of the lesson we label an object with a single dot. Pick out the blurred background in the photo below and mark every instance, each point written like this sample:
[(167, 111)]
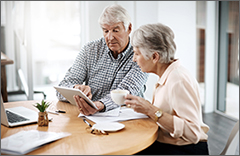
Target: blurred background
[(44, 37)]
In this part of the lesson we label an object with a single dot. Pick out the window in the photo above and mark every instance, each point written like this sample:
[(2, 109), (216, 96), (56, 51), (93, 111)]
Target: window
[(54, 40), (228, 65), (227, 100)]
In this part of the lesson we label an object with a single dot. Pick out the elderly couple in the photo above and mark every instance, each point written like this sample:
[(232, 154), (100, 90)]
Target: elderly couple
[(117, 61)]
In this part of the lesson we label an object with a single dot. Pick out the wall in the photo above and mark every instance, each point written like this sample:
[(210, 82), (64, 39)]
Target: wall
[(181, 18), (210, 58), (95, 8)]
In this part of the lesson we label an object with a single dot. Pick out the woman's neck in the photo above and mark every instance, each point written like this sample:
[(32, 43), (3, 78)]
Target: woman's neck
[(162, 67)]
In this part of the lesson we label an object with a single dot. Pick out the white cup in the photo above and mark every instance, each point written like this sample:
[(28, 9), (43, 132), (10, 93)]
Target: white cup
[(118, 96)]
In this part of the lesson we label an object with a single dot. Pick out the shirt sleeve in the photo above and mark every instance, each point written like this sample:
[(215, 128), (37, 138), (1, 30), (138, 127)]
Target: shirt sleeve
[(134, 81), (75, 74), (186, 107)]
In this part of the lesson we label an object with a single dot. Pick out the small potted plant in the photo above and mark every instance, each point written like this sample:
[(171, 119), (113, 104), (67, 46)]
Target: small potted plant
[(42, 114)]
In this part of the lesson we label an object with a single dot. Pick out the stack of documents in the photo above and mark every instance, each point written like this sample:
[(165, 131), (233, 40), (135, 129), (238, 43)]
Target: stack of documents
[(118, 114), (26, 141)]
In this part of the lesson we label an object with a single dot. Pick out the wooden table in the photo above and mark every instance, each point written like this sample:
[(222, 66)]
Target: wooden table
[(4, 61), (136, 135)]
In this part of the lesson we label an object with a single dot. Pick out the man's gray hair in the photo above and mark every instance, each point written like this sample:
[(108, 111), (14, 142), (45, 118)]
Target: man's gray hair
[(114, 14), (152, 38)]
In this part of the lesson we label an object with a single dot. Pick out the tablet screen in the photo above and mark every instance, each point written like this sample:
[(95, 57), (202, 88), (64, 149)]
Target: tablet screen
[(68, 93)]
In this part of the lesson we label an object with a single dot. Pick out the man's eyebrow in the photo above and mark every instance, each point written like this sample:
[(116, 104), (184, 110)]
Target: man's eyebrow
[(117, 27)]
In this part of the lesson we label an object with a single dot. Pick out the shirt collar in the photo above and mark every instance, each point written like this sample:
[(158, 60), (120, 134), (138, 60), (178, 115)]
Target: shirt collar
[(170, 68)]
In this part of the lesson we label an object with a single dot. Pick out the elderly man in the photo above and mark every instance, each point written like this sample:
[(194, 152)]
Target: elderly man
[(106, 64)]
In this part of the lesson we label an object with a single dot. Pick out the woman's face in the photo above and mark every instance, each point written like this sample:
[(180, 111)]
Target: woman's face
[(145, 65)]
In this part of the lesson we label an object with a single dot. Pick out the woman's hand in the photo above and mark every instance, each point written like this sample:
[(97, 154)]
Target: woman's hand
[(139, 104), (85, 89)]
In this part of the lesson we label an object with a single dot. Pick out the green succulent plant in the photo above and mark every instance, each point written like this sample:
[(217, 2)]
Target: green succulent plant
[(43, 106)]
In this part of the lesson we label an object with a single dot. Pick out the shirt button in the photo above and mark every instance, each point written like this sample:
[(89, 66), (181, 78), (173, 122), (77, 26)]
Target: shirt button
[(109, 79)]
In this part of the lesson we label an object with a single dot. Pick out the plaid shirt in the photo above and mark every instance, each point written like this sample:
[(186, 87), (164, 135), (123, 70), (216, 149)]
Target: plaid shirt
[(96, 66)]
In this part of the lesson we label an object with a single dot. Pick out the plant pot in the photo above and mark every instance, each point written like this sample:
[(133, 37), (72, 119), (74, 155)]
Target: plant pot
[(42, 119)]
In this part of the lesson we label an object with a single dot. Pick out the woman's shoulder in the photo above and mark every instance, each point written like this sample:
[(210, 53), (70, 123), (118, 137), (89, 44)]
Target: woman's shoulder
[(181, 74)]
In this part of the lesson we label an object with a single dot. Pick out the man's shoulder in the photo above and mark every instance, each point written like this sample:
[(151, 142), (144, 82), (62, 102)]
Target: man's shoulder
[(98, 42), (95, 48)]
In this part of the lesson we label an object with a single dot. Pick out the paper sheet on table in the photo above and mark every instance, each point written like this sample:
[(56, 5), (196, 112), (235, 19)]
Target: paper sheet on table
[(26, 141), (114, 112), (124, 114)]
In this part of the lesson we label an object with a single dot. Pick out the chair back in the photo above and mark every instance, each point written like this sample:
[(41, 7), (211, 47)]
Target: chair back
[(233, 140)]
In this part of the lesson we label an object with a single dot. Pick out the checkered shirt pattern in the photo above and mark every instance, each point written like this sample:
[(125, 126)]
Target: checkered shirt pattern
[(96, 67)]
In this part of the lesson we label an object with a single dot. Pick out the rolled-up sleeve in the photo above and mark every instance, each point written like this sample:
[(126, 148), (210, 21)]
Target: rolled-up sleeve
[(186, 107), (177, 93)]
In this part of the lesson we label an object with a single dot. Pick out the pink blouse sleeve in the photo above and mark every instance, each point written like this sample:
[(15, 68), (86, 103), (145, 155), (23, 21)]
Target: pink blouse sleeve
[(187, 119)]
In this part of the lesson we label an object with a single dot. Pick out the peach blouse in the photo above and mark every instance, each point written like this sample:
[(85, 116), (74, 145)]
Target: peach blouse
[(177, 93)]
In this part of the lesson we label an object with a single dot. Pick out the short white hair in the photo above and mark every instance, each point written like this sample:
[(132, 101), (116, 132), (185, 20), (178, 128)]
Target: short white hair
[(152, 38), (114, 14)]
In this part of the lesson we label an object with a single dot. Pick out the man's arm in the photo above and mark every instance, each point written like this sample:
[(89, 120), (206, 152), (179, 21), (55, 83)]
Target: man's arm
[(75, 74), (134, 81)]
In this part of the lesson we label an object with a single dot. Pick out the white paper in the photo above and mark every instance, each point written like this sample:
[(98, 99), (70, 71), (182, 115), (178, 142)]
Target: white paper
[(26, 141), (114, 112), (124, 114)]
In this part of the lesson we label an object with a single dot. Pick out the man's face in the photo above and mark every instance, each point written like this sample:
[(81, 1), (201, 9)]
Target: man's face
[(116, 37)]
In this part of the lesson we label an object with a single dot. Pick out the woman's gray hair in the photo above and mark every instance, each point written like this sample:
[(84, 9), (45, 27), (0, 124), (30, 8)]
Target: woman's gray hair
[(114, 14), (152, 38)]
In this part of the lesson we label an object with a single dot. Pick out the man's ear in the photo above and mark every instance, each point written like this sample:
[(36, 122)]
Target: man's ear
[(130, 28), (155, 57)]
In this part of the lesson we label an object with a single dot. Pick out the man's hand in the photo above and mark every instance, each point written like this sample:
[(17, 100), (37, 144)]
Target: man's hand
[(85, 89), (85, 108)]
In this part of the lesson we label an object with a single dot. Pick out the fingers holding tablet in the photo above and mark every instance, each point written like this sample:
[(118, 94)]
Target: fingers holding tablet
[(85, 89), (76, 97), (83, 106)]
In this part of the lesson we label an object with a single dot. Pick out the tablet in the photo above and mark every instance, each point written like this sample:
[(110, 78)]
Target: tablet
[(68, 93)]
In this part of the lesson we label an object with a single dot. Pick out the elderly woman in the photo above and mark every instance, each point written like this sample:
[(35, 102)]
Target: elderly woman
[(176, 106)]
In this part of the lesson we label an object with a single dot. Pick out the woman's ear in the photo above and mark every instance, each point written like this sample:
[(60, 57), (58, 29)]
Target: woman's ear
[(155, 57)]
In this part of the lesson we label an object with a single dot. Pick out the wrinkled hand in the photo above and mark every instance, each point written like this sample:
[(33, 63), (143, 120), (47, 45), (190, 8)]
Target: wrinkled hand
[(139, 104), (85, 89), (85, 108)]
